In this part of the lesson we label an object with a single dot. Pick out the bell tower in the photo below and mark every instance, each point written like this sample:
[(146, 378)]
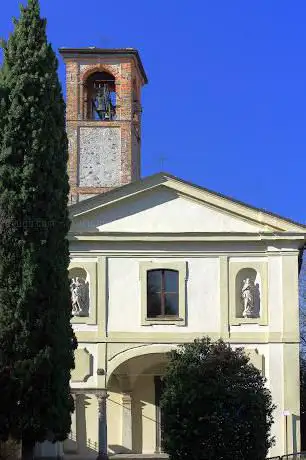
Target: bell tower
[(103, 118)]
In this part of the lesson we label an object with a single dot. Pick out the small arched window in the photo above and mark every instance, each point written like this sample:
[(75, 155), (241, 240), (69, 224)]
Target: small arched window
[(162, 293)]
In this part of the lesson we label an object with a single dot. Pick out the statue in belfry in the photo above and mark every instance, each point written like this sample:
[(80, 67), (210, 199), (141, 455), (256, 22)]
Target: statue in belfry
[(103, 105)]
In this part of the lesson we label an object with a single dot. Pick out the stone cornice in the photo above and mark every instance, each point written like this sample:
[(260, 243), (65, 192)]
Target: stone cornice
[(267, 237)]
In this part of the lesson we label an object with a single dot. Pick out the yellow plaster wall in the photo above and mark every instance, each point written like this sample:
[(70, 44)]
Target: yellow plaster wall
[(202, 295), (162, 211), (274, 357), (292, 396), (290, 296), (87, 424), (280, 358)]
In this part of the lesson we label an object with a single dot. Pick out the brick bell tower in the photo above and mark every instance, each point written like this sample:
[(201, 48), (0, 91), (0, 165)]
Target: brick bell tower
[(103, 118)]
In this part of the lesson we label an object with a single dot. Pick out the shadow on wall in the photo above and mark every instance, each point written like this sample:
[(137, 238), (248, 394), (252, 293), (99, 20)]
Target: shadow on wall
[(137, 435), (117, 212), (142, 371), (78, 442), (71, 447), (118, 449)]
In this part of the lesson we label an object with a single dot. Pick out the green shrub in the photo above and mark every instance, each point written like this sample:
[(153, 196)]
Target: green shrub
[(215, 405)]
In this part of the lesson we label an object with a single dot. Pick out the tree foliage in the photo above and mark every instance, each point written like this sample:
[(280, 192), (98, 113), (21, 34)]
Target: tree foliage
[(3, 99), (215, 404), (36, 338)]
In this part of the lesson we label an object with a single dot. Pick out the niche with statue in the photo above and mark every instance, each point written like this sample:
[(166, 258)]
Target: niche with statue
[(248, 294), (79, 288)]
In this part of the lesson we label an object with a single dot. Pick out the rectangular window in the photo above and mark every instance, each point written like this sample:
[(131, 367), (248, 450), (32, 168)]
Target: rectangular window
[(162, 293)]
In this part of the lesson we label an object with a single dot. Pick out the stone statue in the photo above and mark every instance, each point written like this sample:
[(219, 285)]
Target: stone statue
[(79, 297), (248, 294)]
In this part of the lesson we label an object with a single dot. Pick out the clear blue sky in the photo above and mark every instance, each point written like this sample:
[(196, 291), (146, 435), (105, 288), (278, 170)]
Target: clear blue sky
[(226, 99)]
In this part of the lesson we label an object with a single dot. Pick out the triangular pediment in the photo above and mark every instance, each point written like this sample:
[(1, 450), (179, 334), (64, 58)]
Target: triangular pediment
[(164, 204)]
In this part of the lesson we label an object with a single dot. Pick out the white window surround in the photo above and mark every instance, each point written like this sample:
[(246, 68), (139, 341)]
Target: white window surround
[(181, 268)]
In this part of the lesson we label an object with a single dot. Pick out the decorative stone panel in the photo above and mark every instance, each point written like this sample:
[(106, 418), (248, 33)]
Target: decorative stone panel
[(83, 365), (256, 359), (100, 157)]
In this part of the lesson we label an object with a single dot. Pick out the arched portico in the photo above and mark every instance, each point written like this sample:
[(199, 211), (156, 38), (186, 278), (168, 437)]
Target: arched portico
[(133, 413), (124, 357)]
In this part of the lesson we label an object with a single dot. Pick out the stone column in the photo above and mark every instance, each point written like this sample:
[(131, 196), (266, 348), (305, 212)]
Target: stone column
[(127, 421), (102, 436)]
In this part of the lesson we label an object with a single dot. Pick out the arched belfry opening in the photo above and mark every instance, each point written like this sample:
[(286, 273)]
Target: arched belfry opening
[(100, 101)]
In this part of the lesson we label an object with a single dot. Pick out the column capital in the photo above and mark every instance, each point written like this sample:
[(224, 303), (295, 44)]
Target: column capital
[(124, 383), (126, 397), (101, 394)]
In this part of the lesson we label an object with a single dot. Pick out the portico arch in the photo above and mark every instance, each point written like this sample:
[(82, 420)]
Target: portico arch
[(133, 422), (125, 356)]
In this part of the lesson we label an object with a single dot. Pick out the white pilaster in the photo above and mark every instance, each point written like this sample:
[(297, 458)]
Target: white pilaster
[(127, 421)]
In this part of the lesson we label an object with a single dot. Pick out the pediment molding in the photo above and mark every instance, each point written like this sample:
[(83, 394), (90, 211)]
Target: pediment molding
[(267, 221)]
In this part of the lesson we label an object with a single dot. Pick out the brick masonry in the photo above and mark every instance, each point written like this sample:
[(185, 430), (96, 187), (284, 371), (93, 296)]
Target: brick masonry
[(103, 154)]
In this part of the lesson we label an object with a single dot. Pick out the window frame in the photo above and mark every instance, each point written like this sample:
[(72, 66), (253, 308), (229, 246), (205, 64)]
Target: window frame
[(163, 292), (181, 268)]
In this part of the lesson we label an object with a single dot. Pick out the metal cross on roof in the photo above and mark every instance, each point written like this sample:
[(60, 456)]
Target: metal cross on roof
[(162, 159)]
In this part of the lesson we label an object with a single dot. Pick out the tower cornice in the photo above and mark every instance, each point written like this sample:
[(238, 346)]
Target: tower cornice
[(67, 53)]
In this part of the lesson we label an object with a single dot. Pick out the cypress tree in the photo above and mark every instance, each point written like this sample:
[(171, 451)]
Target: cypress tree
[(3, 99), (36, 338)]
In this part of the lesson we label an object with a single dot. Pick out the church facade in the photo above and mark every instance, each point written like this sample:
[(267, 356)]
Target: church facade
[(158, 261)]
